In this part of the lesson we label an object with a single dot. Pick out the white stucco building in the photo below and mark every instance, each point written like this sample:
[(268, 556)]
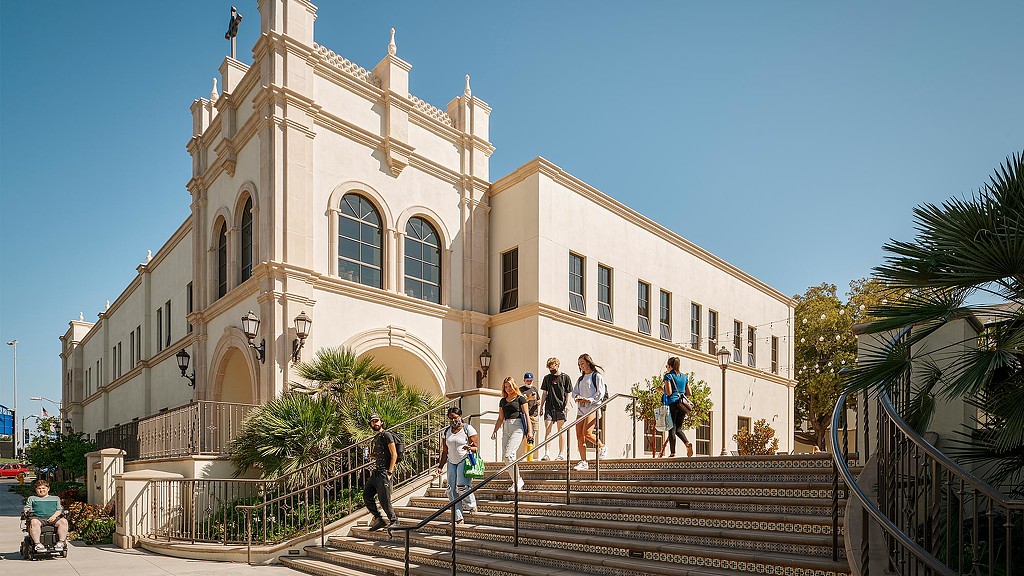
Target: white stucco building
[(321, 187)]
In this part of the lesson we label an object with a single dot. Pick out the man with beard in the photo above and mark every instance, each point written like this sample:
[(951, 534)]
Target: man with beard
[(385, 457)]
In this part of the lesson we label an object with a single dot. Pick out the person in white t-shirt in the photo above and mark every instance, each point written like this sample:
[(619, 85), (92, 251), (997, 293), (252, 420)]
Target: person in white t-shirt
[(589, 391), (460, 440)]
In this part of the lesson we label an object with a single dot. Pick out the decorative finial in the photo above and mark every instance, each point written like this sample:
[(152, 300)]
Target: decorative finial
[(108, 305), (81, 316), (391, 45), (149, 255), (213, 91), (467, 91)]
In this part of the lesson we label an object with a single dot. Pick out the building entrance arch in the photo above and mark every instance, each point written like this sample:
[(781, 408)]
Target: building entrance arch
[(234, 374), (407, 357)]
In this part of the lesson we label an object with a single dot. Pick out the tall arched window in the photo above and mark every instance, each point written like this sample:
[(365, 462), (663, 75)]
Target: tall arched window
[(359, 241), (222, 260), (246, 240), (422, 261)]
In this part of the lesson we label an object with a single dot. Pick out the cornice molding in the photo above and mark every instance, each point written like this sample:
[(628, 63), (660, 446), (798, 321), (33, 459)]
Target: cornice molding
[(142, 365), (555, 173)]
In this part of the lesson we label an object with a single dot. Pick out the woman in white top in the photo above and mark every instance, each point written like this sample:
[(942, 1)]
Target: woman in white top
[(460, 440), (588, 392)]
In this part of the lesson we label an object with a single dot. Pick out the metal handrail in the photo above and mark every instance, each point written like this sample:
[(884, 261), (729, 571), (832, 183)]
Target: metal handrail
[(567, 430), (840, 464), (329, 484)]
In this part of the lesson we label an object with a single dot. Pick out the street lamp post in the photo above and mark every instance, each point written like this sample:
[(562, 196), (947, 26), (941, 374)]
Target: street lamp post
[(14, 420), (60, 409), (723, 361)]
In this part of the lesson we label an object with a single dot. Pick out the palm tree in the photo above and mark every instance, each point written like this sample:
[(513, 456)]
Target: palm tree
[(965, 250), (336, 371), (288, 433)]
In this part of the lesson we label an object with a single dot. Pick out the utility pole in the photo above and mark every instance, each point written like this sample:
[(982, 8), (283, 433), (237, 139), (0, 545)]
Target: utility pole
[(14, 419)]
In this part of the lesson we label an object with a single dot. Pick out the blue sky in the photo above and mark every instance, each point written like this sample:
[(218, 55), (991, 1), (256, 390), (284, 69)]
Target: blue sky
[(790, 138)]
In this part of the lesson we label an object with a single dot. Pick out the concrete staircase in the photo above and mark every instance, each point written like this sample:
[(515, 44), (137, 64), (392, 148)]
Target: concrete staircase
[(686, 516)]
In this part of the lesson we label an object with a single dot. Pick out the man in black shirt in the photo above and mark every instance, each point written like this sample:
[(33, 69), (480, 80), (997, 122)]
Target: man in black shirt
[(555, 390), (385, 457), (531, 396)]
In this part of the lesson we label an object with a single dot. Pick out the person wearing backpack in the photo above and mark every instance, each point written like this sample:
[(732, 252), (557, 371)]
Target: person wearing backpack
[(590, 390), (555, 390), (677, 385), (460, 440), (384, 450)]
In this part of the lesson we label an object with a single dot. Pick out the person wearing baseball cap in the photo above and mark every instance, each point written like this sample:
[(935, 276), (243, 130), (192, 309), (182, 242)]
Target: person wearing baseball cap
[(385, 457), (531, 394)]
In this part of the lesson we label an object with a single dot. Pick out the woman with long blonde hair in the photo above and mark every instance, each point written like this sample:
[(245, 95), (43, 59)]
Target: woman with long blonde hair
[(514, 427)]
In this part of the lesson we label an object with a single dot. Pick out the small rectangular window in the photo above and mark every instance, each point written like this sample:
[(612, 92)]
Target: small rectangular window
[(751, 346), (138, 340), (188, 306), (159, 329), (113, 363), (742, 422), (131, 349), (643, 306), (712, 332), (509, 280), (665, 316), (604, 293), (737, 341), (576, 283), (167, 321), (120, 357), (775, 354), (703, 447), (694, 326)]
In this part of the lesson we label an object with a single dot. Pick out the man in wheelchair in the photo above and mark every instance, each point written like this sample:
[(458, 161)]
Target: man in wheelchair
[(44, 510)]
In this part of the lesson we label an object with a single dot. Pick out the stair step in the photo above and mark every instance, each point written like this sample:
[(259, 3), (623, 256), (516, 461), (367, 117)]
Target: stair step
[(613, 555), (753, 540), (334, 562), (746, 504), (769, 521), (803, 489)]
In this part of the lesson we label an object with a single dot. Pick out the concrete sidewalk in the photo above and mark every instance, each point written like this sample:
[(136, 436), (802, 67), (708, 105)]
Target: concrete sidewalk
[(102, 560)]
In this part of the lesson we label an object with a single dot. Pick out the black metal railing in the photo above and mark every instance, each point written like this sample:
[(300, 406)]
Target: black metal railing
[(935, 517), (514, 465), (121, 436), (313, 496)]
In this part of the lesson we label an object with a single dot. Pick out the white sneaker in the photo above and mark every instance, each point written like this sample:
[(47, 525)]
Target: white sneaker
[(603, 451), (560, 457), (513, 487), (583, 465), (40, 548), (545, 457), (58, 546)]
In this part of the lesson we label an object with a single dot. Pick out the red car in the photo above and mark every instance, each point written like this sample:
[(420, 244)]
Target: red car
[(12, 470)]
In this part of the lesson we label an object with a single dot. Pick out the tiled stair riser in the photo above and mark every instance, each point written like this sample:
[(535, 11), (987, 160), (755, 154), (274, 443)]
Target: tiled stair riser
[(639, 487), (655, 518), (510, 553), (820, 549), (624, 500)]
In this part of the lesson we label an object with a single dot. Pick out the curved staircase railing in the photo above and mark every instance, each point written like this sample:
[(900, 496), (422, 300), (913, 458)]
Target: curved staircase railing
[(935, 517)]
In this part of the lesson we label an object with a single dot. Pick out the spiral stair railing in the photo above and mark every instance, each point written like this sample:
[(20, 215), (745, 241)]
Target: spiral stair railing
[(935, 517)]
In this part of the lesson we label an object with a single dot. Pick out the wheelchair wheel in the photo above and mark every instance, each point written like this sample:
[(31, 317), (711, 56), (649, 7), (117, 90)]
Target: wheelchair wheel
[(64, 552)]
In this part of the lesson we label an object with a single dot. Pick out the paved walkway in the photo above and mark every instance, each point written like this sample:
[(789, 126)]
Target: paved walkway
[(102, 560)]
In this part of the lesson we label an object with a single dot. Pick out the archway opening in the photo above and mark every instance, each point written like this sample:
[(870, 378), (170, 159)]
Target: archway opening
[(407, 366), (235, 385)]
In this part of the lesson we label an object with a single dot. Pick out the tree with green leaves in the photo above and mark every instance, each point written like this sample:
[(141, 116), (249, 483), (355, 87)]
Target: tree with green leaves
[(64, 451), (334, 372), (648, 394), (966, 259), (825, 345)]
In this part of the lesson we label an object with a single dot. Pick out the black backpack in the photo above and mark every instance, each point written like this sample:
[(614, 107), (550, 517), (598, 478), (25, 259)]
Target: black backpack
[(603, 398), (399, 446)]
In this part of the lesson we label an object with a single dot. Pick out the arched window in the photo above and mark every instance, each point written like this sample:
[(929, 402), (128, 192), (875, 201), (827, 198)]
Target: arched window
[(222, 260), (246, 251), (359, 241), (422, 261)]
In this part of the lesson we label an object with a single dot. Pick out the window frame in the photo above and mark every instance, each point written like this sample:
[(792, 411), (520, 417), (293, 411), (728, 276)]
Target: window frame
[(159, 328), (246, 248), (743, 422), (737, 341), (702, 445), (605, 312), (412, 237), (643, 307), (363, 268), (696, 311), (509, 280), (712, 331), (775, 355), (222, 260), (752, 346), (665, 315), (577, 275)]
